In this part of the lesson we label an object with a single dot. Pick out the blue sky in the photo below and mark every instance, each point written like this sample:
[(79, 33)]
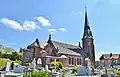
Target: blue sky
[(21, 21)]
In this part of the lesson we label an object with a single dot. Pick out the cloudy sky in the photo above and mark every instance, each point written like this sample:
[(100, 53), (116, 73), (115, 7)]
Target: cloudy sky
[(21, 21)]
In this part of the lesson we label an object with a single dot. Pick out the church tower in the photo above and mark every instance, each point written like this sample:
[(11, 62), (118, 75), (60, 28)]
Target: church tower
[(88, 41)]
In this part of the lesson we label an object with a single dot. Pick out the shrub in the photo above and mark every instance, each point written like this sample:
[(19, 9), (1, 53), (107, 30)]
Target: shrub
[(59, 65), (37, 73), (74, 69)]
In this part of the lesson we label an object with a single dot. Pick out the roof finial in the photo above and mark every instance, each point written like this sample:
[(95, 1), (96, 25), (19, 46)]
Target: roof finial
[(49, 36), (49, 40)]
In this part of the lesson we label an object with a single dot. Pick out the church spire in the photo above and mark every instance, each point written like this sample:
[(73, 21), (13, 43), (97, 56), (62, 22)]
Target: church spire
[(87, 31)]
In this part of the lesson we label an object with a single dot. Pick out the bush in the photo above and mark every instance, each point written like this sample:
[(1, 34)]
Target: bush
[(74, 69), (117, 72), (37, 73), (59, 65)]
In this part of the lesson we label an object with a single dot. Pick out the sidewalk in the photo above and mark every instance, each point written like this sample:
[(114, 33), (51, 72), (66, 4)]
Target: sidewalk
[(68, 74)]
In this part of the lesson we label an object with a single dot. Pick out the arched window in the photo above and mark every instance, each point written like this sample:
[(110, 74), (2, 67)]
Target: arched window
[(69, 60), (78, 62), (75, 62), (72, 61)]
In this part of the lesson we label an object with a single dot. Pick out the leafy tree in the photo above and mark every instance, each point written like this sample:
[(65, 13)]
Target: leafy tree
[(15, 56), (0, 54), (12, 65), (97, 63), (5, 55)]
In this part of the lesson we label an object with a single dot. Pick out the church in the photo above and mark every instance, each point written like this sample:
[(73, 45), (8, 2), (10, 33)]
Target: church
[(69, 55)]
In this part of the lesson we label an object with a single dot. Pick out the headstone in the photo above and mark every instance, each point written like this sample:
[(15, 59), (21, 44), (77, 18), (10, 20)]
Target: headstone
[(82, 70), (18, 69), (8, 67), (46, 67), (34, 63), (39, 61), (55, 74)]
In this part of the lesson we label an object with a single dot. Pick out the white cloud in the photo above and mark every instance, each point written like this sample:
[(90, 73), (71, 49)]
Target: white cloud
[(79, 13), (30, 25), (27, 25), (51, 31), (11, 23), (62, 29), (43, 21)]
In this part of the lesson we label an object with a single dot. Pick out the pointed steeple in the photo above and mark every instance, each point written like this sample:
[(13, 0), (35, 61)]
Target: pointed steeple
[(87, 31), (86, 19)]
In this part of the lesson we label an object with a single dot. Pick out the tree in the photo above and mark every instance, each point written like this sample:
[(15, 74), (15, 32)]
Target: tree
[(0, 54), (15, 56), (12, 65), (5, 55), (97, 63)]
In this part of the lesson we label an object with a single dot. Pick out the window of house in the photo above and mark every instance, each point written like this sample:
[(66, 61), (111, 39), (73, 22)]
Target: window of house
[(69, 60), (57, 60), (72, 61), (78, 61), (75, 61)]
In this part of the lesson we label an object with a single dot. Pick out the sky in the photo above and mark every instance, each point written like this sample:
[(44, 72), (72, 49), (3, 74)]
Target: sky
[(22, 21)]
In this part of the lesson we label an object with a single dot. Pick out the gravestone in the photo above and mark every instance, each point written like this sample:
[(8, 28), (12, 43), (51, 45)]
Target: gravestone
[(34, 63), (8, 67), (18, 69), (39, 61), (82, 70)]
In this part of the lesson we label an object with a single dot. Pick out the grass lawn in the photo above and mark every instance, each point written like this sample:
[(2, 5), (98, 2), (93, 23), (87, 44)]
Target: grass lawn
[(3, 62)]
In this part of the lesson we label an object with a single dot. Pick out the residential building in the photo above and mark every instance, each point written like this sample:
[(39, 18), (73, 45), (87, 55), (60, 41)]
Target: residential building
[(109, 59)]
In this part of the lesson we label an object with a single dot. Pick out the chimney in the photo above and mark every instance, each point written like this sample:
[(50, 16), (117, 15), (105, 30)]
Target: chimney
[(79, 44)]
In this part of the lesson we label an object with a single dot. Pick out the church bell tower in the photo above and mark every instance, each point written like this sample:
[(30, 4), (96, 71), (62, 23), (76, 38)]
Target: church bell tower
[(88, 41)]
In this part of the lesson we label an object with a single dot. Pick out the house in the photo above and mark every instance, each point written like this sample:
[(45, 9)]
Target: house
[(70, 55), (109, 59)]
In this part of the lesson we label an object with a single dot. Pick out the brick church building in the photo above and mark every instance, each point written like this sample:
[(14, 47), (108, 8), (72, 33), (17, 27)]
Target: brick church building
[(70, 55)]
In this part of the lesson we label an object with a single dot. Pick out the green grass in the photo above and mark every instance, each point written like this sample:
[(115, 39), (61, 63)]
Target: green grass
[(3, 62)]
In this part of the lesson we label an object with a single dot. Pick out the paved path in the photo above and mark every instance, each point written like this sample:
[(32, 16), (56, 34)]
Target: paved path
[(72, 75)]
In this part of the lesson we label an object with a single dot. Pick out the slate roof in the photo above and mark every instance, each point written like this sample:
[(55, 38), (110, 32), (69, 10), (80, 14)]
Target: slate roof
[(36, 43), (107, 56), (64, 48)]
